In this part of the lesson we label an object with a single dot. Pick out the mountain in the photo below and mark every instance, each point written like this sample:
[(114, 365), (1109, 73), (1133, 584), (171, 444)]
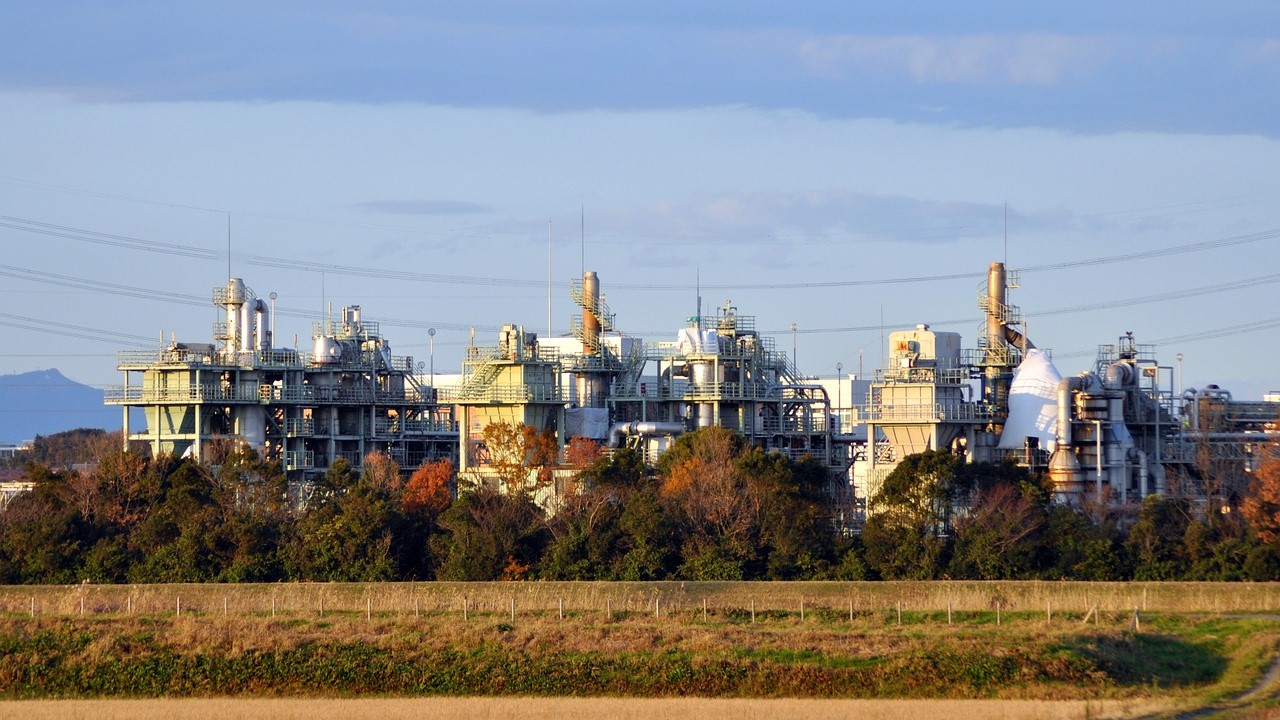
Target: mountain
[(46, 402)]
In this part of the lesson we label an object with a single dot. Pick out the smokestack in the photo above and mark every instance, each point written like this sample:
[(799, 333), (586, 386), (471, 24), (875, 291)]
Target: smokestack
[(590, 313)]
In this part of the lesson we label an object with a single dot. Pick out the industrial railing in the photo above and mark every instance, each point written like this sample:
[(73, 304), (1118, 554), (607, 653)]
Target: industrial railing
[(299, 459), (394, 427), (133, 394), (501, 394), (295, 427), (924, 412)]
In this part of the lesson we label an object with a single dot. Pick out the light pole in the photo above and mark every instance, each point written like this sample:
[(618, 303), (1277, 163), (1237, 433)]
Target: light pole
[(793, 348), (1177, 396), (431, 350), (839, 397), (271, 332)]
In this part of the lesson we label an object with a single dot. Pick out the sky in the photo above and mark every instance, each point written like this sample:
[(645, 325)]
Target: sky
[(849, 169)]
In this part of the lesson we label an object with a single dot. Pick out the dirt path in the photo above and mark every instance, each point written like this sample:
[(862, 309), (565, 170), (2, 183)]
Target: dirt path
[(1262, 689)]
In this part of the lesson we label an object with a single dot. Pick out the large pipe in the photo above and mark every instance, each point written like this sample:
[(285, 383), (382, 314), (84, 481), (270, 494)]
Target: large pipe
[(1018, 340), (623, 429), (261, 334)]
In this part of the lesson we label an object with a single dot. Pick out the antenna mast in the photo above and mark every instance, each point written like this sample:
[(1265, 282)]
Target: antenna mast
[(548, 278)]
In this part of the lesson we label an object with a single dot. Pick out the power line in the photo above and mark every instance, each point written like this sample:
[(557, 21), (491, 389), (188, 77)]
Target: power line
[(101, 238)]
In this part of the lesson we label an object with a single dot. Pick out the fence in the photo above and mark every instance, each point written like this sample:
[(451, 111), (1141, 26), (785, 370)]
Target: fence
[(691, 601)]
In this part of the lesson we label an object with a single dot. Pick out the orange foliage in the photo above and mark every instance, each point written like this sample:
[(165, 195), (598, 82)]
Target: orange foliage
[(581, 452), (430, 488), (515, 570), (1261, 506)]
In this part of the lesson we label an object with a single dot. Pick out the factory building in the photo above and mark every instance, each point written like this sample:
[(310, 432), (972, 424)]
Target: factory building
[(347, 397), (1114, 434)]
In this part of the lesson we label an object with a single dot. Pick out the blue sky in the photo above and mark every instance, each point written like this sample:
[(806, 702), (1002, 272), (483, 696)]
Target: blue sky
[(802, 162)]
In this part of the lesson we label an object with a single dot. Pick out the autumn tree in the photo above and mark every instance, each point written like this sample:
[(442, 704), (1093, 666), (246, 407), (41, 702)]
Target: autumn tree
[(521, 456), (1261, 506), (430, 489)]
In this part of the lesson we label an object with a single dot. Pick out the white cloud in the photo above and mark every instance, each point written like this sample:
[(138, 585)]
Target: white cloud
[(1025, 59)]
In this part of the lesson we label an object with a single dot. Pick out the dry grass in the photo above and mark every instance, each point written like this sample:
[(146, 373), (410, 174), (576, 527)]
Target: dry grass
[(583, 709), (680, 598)]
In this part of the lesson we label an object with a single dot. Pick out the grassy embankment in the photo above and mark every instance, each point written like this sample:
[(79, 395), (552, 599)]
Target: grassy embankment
[(350, 640)]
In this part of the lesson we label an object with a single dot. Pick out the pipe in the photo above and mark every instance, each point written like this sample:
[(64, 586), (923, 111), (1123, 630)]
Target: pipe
[(1142, 473), (1018, 340), (623, 429), (1118, 376), (261, 335)]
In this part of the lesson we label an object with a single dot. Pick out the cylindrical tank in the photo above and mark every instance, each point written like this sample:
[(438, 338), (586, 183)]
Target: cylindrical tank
[(234, 300), (702, 375), (246, 327), (327, 350), (590, 310)]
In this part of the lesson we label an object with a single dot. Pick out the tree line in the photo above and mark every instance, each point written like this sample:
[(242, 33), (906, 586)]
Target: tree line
[(713, 508)]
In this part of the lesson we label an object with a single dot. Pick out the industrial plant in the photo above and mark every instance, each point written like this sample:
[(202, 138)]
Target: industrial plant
[(1112, 435)]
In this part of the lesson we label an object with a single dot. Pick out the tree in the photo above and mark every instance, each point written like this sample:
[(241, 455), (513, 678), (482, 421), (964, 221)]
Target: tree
[(1156, 539), (489, 535), (1000, 537), (175, 540), (348, 534), (1261, 506), (521, 456), (908, 533), (430, 489)]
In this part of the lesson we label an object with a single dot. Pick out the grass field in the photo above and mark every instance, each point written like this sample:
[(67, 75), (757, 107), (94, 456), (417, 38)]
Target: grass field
[(1195, 644), (677, 597)]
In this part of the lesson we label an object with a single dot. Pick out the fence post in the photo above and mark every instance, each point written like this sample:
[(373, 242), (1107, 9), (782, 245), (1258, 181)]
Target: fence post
[(801, 608), (33, 606), (753, 611), (82, 606), (997, 613), (128, 600), (224, 606), (464, 608), (704, 609), (948, 612), (850, 610), (368, 608), (899, 612), (655, 608), (513, 609), (1048, 612), (608, 610), (561, 608), (179, 606)]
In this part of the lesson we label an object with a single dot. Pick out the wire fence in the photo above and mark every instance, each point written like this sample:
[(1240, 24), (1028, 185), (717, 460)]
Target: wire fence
[(737, 602)]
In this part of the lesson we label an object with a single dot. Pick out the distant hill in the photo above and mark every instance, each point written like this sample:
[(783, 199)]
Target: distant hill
[(46, 402)]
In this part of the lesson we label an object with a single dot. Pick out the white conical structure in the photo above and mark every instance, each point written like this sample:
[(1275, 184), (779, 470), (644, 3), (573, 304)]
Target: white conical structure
[(1033, 403)]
